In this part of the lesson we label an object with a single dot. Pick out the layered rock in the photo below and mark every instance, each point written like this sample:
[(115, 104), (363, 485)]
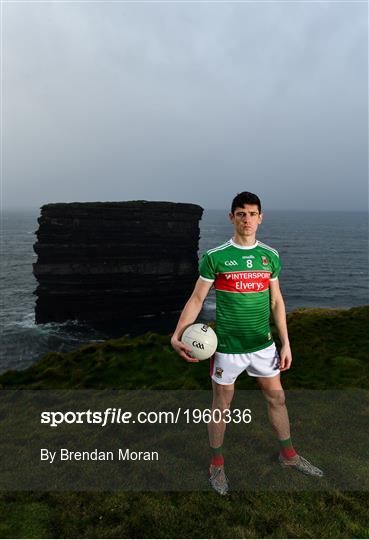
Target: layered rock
[(100, 262)]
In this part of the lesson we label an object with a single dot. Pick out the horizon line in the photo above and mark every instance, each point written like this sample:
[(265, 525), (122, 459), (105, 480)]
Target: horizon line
[(359, 210)]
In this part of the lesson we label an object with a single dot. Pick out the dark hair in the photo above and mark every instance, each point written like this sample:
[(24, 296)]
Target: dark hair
[(245, 198)]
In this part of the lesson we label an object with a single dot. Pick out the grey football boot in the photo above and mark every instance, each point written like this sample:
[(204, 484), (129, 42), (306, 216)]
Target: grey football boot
[(300, 464), (218, 479)]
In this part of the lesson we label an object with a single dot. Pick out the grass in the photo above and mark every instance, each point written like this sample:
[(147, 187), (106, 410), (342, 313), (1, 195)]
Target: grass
[(330, 351), (191, 515)]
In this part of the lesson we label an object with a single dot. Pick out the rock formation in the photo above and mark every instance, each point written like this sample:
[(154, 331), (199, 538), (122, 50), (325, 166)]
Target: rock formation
[(100, 262)]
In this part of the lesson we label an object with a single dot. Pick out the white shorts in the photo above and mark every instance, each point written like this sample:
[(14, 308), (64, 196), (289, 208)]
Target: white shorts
[(225, 368)]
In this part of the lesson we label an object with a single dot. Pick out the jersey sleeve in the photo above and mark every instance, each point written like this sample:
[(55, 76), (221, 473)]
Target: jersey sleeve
[(206, 268), (276, 268)]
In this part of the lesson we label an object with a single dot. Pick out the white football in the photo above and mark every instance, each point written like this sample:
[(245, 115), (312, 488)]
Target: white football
[(202, 339)]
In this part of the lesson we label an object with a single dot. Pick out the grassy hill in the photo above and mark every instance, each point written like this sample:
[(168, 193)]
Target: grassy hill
[(330, 350)]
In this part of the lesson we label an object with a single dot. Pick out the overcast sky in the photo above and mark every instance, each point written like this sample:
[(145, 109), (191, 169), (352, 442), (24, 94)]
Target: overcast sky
[(188, 102)]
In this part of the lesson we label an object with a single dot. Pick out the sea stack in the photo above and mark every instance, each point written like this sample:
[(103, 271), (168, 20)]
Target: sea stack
[(110, 261)]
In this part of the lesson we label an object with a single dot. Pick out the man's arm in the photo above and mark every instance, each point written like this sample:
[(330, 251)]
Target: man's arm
[(279, 316), (188, 316)]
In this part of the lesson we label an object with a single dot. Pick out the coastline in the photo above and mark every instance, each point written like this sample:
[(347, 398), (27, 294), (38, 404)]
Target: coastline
[(326, 344)]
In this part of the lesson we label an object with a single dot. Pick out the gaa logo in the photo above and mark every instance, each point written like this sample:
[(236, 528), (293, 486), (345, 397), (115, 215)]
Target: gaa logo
[(231, 263), (198, 345)]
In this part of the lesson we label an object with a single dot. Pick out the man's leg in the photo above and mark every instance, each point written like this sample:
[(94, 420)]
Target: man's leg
[(222, 398), (278, 416), (277, 410)]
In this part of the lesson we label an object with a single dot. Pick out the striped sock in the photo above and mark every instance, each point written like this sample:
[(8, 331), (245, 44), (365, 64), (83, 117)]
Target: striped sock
[(217, 458), (286, 448)]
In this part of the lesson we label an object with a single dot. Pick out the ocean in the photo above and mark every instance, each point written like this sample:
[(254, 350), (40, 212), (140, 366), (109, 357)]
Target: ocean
[(324, 264)]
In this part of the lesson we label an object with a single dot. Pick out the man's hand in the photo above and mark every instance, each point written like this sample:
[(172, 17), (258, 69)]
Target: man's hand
[(188, 316), (285, 358), (182, 349)]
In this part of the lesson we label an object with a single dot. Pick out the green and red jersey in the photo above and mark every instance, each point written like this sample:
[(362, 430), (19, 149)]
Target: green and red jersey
[(241, 276)]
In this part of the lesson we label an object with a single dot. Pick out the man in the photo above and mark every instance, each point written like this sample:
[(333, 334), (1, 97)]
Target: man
[(245, 274)]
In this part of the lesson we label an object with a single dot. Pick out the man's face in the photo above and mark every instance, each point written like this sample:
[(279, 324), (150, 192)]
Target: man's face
[(246, 220)]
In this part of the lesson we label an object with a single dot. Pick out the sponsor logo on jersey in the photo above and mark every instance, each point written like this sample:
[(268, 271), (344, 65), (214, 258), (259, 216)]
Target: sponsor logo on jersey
[(256, 274), (218, 372), (231, 263), (243, 282), (248, 257)]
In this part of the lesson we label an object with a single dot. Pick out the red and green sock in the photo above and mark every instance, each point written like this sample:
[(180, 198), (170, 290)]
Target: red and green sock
[(286, 449), (217, 458)]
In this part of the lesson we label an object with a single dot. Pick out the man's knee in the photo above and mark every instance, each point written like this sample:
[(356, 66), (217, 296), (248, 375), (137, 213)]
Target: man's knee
[(275, 398), (222, 396), (222, 399)]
